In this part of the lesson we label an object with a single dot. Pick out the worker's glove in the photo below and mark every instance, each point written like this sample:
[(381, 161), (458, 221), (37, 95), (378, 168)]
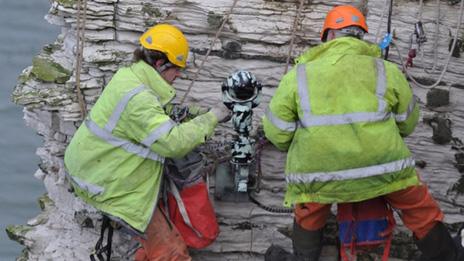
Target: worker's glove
[(222, 113)]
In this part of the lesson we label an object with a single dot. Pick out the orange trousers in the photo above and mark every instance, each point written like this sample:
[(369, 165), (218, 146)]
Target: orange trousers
[(163, 242), (419, 211)]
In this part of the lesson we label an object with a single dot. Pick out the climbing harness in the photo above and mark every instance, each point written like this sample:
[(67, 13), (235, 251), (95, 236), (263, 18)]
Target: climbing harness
[(366, 224), (292, 39), (99, 250), (80, 40), (195, 77)]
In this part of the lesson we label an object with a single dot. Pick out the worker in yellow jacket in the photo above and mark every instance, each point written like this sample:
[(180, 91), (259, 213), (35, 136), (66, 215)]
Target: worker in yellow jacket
[(115, 159), (342, 113)]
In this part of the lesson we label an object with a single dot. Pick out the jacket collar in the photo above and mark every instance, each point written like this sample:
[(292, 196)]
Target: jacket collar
[(337, 48), (153, 80)]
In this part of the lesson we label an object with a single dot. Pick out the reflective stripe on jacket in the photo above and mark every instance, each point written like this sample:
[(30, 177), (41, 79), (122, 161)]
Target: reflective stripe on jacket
[(115, 159), (341, 114)]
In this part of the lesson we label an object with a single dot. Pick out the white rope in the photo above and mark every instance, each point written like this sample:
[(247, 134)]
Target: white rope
[(456, 33)]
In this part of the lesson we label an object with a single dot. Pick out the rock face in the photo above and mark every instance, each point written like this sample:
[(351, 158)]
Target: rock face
[(256, 37)]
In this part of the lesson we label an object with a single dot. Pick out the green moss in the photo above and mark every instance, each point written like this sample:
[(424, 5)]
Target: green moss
[(47, 70), (66, 3), (44, 201), (214, 20), (149, 9), (17, 232)]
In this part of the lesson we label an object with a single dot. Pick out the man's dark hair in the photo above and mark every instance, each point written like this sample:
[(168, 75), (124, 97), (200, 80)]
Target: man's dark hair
[(149, 56)]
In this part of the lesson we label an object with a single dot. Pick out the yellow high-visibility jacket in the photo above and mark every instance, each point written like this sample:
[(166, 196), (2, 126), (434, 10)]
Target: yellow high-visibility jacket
[(115, 159), (341, 113)]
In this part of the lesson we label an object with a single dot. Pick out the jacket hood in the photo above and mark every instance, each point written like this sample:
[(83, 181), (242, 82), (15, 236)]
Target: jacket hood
[(339, 47), (152, 79)]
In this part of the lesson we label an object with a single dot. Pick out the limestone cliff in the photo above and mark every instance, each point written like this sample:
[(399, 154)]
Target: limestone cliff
[(256, 37)]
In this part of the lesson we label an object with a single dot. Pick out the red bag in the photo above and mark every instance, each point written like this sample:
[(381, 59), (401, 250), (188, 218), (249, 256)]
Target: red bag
[(193, 215)]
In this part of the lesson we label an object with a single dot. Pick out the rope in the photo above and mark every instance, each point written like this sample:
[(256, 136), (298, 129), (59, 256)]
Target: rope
[(209, 51), (80, 50), (458, 27), (292, 39)]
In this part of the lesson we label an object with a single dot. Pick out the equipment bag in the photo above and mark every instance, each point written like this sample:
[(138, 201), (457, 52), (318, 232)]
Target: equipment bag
[(187, 201), (365, 225)]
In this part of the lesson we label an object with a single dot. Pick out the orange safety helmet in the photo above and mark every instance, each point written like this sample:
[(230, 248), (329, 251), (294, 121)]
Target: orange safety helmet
[(169, 40), (343, 16)]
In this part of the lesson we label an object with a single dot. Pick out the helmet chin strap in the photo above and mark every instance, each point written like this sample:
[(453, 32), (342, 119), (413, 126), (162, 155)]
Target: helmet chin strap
[(152, 62), (164, 67)]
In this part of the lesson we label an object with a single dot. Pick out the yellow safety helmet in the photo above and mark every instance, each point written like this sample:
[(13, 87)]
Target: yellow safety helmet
[(169, 40)]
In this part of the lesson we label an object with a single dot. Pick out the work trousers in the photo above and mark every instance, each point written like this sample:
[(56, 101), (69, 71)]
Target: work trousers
[(163, 242), (419, 211)]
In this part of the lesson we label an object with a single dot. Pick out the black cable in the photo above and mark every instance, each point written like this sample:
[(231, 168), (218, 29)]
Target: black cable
[(389, 27), (272, 209)]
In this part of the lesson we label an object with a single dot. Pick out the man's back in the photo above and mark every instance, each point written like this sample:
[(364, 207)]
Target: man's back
[(347, 146)]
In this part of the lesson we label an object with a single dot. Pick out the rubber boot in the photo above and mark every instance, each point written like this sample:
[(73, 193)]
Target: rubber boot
[(307, 244), (438, 245)]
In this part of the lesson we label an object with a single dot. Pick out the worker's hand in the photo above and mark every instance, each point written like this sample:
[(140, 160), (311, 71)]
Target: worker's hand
[(222, 113)]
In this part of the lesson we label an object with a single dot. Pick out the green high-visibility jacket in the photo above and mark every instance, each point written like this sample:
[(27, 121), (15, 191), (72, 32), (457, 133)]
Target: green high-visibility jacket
[(341, 114), (115, 159)]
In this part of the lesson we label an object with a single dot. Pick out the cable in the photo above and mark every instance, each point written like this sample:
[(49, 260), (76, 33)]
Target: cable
[(209, 51), (272, 209), (292, 39)]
